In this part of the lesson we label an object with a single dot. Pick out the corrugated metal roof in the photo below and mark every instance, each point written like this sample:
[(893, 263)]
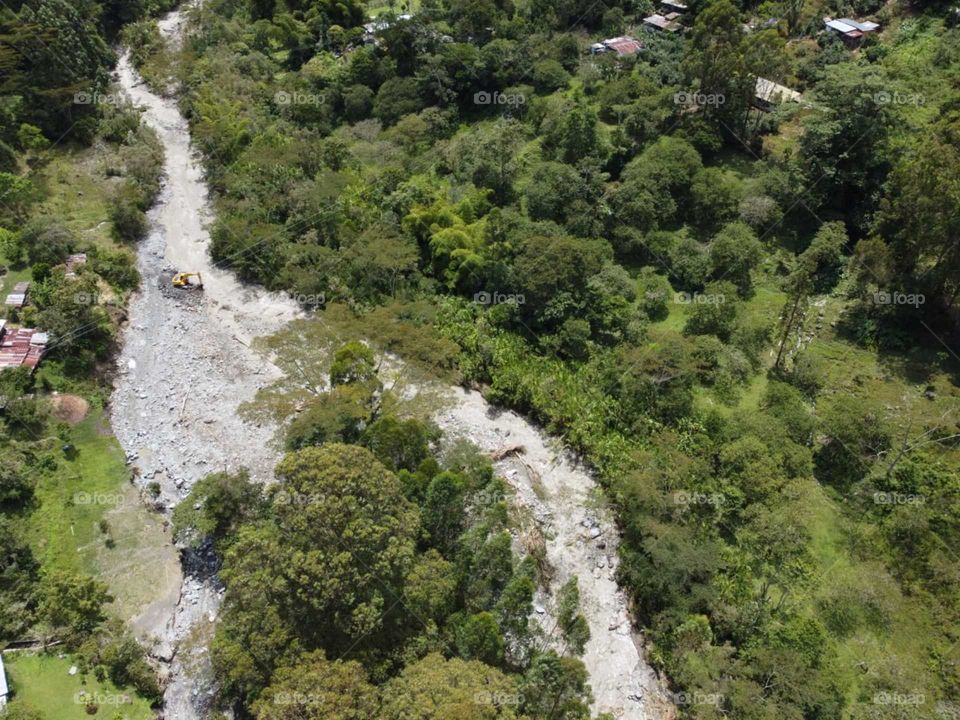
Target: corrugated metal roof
[(623, 45), (23, 346), (861, 25), (840, 26), (18, 297), (661, 23), (771, 92)]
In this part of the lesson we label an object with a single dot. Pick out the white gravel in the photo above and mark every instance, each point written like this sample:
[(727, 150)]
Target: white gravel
[(184, 369), (581, 541)]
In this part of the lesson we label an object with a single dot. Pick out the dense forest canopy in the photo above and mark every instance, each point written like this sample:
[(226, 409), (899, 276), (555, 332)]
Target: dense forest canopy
[(738, 304)]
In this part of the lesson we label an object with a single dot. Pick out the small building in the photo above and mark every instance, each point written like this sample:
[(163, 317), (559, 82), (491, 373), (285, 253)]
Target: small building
[(23, 346), (73, 262), (622, 46), (767, 94), (18, 298), (661, 23), (4, 688), (852, 31), (671, 6)]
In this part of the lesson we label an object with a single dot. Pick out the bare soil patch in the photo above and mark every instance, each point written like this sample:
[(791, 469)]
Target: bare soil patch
[(69, 408)]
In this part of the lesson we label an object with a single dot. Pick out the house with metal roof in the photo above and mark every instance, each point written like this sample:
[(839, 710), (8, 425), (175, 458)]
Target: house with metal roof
[(852, 31), (22, 346), (18, 298), (662, 23), (767, 94), (622, 46)]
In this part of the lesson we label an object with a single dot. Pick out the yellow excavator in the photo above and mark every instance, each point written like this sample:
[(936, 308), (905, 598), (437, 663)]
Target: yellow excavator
[(182, 280)]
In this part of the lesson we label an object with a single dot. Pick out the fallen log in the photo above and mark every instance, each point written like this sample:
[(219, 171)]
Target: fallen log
[(505, 451)]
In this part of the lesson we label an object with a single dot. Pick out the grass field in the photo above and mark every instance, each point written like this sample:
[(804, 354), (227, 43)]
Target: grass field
[(134, 556), (78, 190), (43, 683)]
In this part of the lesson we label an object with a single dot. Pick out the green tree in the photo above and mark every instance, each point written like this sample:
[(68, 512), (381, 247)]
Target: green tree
[(397, 97), (430, 588), (572, 623), (317, 689), (734, 252), (555, 688), (843, 147), (478, 638), (399, 444), (326, 571), (656, 183), (437, 689), (552, 274), (72, 602), (489, 156), (216, 506), (714, 312), (358, 102), (915, 220), (443, 510), (716, 195), (571, 131), (352, 363)]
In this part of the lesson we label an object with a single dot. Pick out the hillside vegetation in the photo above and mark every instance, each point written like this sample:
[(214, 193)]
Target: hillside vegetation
[(744, 320)]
